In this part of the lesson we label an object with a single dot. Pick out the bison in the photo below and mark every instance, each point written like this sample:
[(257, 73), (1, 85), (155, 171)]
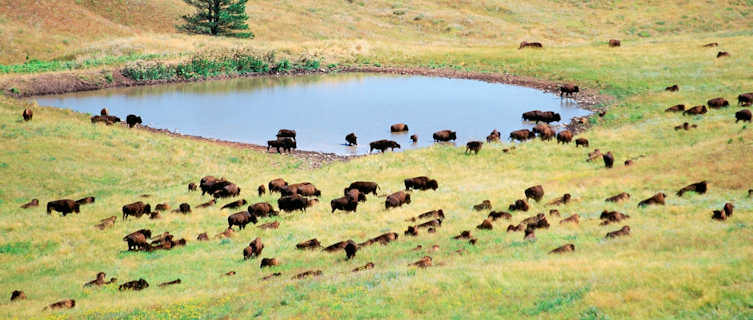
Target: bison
[(561, 200), (344, 203), (136, 285), (519, 205), (717, 103), (191, 187), (494, 215), (351, 139), (563, 249), (564, 136), (136, 209), (484, 205), (526, 44), (350, 250), (254, 249), (227, 191), (624, 231), (286, 144), (17, 295), (698, 187), (309, 244), (672, 88), (444, 136), (581, 142), (32, 203), (420, 183), (743, 115), (414, 138), (133, 120), (729, 208), (184, 208), (27, 114), (608, 159), (235, 204), (722, 54), (568, 90), (262, 209), (240, 219), (485, 225), (307, 274), (364, 187), (745, 99), (276, 185), (383, 145), (522, 135), (292, 203), (614, 43), (64, 206), (355, 195), (286, 133), (63, 304), (575, 218), (399, 127), (396, 199), (261, 189), (695, 110), (474, 146), (543, 116), (657, 199), (336, 246), (676, 108), (612, 216), (494, 136), (544, 131), (536, 192), (367, 266), (162, 207), (138, 240), (618, 198)]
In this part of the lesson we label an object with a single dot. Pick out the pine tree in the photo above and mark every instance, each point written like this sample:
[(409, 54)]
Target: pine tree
[(217, 17)]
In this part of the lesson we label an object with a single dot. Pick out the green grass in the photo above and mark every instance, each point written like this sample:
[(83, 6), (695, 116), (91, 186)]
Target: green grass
[(37, 66), (677, 264)]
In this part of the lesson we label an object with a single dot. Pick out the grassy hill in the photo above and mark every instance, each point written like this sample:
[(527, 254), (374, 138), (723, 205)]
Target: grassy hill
[(677, 263)]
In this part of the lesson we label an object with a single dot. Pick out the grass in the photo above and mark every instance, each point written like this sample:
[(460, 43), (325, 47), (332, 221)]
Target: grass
[(676, 264)]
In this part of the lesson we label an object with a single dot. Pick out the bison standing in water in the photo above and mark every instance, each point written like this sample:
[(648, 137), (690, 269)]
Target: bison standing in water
[(64, 206), (399, 127), (383, 145), (351, 139), (543, 116), (286, 144), (444, 136), (568, 90), (27, 114), (544, 131)]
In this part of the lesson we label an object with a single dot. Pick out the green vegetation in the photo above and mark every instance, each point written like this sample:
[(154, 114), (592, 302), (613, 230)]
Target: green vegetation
[(217, 18), (36, 66)]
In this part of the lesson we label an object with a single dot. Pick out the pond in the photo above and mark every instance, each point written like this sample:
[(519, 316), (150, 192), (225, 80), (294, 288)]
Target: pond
[(324, 108)]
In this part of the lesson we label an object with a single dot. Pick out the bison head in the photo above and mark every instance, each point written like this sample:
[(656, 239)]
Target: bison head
[(432, 184)]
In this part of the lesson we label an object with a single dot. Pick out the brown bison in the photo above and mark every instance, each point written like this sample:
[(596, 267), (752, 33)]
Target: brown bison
[(138, 240), (227, 191), (235, 204), (207, 204), (430, 224), (399, 127), (64, 206), (108, 120), (420, 183), (98, 281), (618, 198), (271, 276), (628, 162), (608, 217), (695, 110), (17, 295), (286, 133), (261, 189), (444, 136), (543, 116), (485, 225), (191, 187), (254, 249), (494, 136), (568, 90), (529, 234), (717, 103), (536, 193), (525, 44), (474, 146), (676, 108), (307, 274), (104, 112), (169, 283), (719, 215), (364, 187), (722, 54), (657, 199), (519, 205), (544, 131), (411, 231), (729, 208), (336, 246), (672, 88), (307, 189), (522, 135), (133, 120), (350, 249), (184, 208), (262, 209), (743, 115), (383, 145), (614, 43), (563, 249), (351, 139), (685, 126), (494, 215), (608, 159), (745, 99), (344, 203), (367, 266), (515, 228), (396, 199), (202, 237), (561, 200), (554, 213), (32, 203), (575, 218), (210, 184), (484, 205), (240, 219), (424, 262), (594, 155), (293, 203), (581, 142), (624, 231), (162, 207), (136, 285), (698, 187), (27, 114), (276, 185), (710, 45), (309, 244), (564, 136), (284, 144), (432, 214), (63, 304), (414, 138), (136, 209), (354, 195), (270, 225)]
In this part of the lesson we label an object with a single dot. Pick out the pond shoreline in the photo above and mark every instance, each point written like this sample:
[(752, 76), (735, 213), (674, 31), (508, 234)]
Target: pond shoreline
[(69, 82)]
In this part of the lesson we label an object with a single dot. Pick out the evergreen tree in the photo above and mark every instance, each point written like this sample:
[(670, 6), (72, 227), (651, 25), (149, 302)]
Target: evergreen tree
[(217, 17)]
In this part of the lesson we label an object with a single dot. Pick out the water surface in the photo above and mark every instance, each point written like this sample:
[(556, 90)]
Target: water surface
[(325, 108)]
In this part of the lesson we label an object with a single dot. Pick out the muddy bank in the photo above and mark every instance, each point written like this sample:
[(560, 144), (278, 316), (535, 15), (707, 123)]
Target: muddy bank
[(65, 82)]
